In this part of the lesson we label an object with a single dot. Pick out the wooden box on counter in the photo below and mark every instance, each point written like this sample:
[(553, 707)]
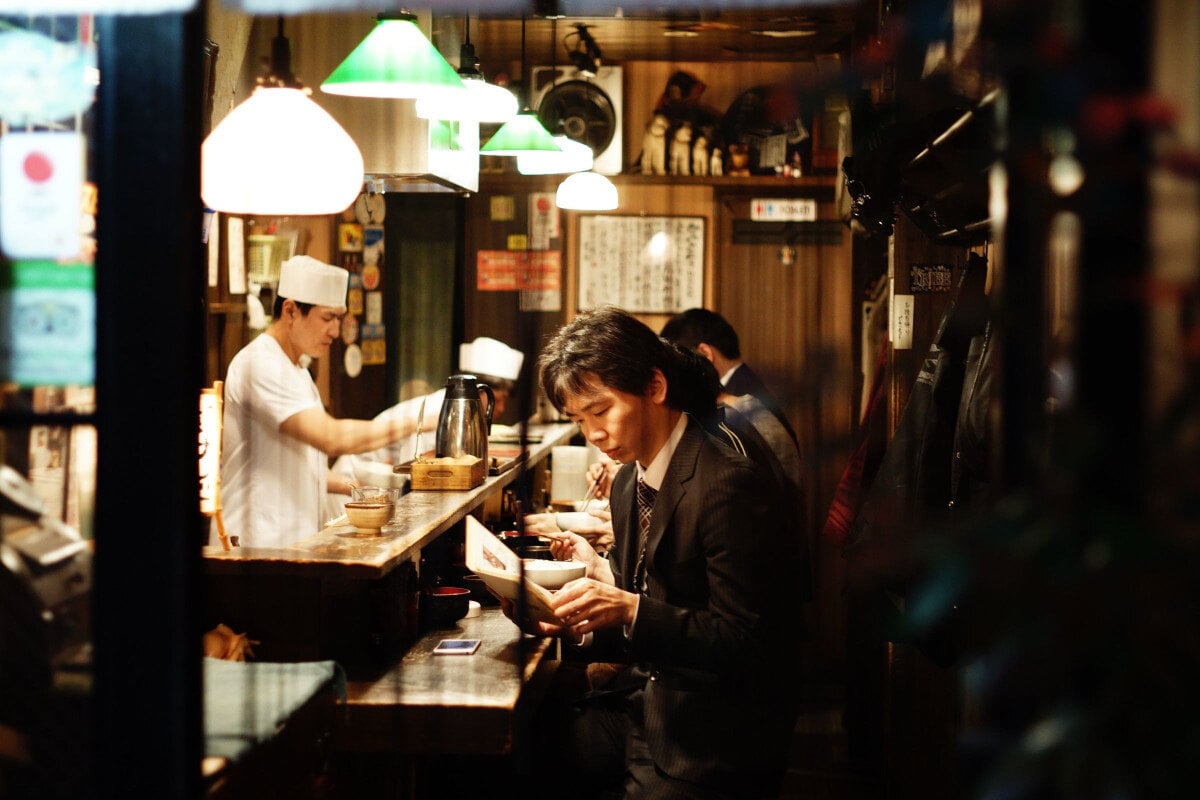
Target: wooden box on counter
[(457, 473)]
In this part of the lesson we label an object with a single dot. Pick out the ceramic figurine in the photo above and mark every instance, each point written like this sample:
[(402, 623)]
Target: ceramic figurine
[(681, 149), (739, 159), (654, 146), (714, 163), (700, 155)]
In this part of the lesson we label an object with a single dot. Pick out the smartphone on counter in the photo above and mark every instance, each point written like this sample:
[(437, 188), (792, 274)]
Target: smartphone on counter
[(456, 647)]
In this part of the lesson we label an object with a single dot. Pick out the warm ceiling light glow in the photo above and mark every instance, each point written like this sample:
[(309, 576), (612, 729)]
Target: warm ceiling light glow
[(279, 153), (658, 246), (396, 60), (485, 102), (788, 34), (586, 191), (575, 157), (1066, 174), (521, 134)]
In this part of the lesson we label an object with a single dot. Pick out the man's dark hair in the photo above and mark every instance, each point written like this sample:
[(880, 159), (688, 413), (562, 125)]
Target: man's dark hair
[(692, 382), (699, 325), (620, 350), (277, 308)]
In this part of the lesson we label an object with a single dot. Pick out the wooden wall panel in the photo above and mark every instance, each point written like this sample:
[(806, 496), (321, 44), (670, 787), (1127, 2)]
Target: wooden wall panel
[(794, 324)]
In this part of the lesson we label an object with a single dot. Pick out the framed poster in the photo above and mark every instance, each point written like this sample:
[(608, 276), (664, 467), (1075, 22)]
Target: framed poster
[(649, 265)]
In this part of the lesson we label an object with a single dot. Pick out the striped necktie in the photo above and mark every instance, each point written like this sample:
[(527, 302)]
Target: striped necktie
[(645, 502)]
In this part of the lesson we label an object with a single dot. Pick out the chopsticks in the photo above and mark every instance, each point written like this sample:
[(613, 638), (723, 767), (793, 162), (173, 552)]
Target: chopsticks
[(592, 491)]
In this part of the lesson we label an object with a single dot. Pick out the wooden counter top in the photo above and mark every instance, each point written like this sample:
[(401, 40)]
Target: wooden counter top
[(338, 552), (450, 704)]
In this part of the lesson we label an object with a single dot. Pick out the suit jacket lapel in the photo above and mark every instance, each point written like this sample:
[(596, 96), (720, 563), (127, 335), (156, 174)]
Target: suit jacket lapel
[(674, 487), (623, 509)]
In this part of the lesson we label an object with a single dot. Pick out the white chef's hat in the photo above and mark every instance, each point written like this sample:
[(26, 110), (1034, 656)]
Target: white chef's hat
[(308, 280), (486, 356)]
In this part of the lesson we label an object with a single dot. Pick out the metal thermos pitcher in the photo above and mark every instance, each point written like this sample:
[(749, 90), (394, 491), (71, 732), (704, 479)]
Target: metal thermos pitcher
[(463, 425)]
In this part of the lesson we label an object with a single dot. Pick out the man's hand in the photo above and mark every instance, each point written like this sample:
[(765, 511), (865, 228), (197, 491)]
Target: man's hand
[(530, 626), (585, 605), (603, 471), (565, 546), (593, 526)]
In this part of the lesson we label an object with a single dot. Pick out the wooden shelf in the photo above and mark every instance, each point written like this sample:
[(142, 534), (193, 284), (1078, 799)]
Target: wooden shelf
[(813, 183)]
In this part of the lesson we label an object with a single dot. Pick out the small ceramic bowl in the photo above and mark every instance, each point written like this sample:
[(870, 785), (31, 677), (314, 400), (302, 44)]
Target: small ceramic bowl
[(553, 574), (446, 605), (576, 521), (377, 494), (367, 518)]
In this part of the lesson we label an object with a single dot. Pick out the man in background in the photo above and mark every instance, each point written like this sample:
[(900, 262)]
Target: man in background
[(711, 335)]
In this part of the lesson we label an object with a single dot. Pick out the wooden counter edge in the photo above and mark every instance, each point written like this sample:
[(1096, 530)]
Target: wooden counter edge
[(387, 721), (391, 551)]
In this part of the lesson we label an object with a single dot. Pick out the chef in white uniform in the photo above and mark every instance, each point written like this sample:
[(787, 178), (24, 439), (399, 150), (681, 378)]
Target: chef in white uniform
[(490, 360), (278, 437)]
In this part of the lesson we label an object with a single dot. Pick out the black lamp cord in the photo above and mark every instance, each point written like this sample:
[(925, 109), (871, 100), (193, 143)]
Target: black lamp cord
[(279, 73), (524, 70)]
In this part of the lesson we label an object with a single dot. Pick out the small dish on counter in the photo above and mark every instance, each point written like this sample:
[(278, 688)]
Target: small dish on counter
[(368, 518)]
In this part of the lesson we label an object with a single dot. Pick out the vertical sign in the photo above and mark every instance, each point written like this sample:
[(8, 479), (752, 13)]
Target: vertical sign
[(210, 448), (543, 220), (901, 333)]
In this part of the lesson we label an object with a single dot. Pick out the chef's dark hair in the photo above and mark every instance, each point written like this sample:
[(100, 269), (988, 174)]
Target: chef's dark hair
[(606, 342), (701, 326), (277, 308)]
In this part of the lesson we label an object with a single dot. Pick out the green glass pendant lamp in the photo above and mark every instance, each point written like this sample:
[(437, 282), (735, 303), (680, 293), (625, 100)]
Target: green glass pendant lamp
[(395, 60), (524, 133), (575, 156)]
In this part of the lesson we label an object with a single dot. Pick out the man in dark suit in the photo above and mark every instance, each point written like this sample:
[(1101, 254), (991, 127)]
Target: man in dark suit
[(711, 335), (697, 592)]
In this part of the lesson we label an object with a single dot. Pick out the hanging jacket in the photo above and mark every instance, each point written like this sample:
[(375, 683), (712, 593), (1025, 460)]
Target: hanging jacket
[(913, 489)]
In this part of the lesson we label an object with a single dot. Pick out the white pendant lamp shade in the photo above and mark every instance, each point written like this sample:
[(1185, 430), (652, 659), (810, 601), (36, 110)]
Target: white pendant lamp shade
[(575, 157), (586, 191), (484, 102), (279, 153)]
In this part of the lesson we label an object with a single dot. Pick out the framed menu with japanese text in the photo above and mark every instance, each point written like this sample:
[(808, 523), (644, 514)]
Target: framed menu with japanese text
[(648, 265)]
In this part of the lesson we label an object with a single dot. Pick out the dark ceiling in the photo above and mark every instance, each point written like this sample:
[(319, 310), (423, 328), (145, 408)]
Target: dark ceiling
[(798, 33)]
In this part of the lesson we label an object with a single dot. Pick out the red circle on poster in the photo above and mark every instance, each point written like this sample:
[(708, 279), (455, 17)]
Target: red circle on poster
[(38, 168), (543, 205), (370, 277)]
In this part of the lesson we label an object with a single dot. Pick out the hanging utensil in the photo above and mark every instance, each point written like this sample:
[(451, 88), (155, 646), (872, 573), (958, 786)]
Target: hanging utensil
[(420, 421)]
